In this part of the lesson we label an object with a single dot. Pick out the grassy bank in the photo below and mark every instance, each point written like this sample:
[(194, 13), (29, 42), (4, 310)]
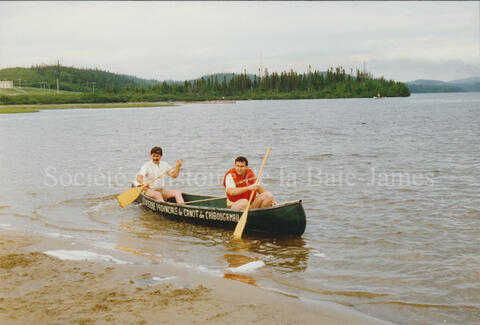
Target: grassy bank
[(33, 91), (5, 109)]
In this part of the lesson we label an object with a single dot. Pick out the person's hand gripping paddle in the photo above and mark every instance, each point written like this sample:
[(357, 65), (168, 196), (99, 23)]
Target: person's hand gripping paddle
[(237, 234), (132, 193)]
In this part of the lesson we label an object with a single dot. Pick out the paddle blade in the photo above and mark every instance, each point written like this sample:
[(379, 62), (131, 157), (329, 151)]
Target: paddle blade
[(237, 234), (129, 196)]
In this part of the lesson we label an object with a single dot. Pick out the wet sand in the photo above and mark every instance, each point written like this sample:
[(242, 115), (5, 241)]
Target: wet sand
[(38, 288)]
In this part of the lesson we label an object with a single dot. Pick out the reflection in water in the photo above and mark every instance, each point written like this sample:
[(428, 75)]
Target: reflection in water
[(138, 240), (369, 235), (235, 261), (238, 260), (241, 277), (144, 252), (137, 228), (288, 254)]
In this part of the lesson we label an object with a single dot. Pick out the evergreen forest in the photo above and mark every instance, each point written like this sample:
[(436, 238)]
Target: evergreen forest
[(97, 86)]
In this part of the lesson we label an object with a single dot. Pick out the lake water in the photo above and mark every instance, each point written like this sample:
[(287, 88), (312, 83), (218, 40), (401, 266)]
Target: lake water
[(390, 187)]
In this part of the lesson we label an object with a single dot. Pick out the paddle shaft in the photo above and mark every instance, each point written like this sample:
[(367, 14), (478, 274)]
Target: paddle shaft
[(132, 193), (243, 219), (258, 178), (204, 200), (163, 173), (246, 180), (217, 198)]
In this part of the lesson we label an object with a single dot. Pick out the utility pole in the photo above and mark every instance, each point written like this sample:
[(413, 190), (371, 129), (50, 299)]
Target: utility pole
[(93, 84), (261, 64), (58, 87), (19, 83)]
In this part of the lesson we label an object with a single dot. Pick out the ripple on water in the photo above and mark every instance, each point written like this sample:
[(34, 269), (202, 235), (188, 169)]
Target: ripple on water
[(401, 248)]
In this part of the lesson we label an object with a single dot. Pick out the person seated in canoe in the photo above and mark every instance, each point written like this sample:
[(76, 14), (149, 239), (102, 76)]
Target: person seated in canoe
[(239, 182), (154, 168)]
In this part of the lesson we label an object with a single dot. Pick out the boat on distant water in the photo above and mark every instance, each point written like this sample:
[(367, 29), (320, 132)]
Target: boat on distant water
[(282, 219), (378, 96)]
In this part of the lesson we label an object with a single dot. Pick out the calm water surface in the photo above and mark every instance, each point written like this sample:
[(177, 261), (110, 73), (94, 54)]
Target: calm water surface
[(390, 188)]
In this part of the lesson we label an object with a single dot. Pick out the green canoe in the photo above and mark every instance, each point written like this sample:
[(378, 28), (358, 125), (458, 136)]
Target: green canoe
[(284, 219)]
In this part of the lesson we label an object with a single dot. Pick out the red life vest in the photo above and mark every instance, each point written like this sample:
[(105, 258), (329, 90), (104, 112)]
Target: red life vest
[(238, 178)]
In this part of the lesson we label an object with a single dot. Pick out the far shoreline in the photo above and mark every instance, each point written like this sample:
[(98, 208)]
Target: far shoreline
[(34, 108)]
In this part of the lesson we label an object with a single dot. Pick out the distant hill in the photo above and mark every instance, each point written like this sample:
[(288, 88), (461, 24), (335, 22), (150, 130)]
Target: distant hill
[(436, 86), (469, 84), (83, 80), (425, 82), (471, 80), (70, 78)]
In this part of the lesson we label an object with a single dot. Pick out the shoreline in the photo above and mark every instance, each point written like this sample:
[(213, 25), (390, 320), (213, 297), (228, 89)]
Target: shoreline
[(37, 287), (33, 108)]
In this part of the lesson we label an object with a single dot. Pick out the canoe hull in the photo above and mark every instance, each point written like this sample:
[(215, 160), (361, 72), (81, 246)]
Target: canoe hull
[(285, 219)]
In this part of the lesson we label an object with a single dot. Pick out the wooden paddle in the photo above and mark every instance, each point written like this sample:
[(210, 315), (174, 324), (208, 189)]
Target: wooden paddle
[(217, 198), (245, 180), (204, 200), (237, 234), (132, 193)]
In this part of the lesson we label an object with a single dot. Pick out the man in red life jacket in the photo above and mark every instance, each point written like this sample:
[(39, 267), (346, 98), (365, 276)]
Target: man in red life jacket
[(239, 182)]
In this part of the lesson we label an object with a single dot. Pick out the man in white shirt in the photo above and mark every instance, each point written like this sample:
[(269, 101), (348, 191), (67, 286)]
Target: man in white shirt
[(152, 169)]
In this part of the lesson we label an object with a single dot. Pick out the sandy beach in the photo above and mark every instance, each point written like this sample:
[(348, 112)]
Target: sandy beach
[(38, 288)]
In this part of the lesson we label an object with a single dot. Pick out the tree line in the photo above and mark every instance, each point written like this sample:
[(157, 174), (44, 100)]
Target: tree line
[(334, 83)]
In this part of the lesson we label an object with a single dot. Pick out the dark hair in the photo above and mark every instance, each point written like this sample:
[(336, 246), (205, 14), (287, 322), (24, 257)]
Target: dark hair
[(242, 159), (156, 150)]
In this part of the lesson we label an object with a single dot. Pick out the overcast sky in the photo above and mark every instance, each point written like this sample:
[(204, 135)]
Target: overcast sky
[(183, 40)]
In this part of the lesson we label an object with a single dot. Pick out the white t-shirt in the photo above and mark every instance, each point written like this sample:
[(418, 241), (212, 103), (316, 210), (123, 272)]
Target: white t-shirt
[(229, 182), (149, 170)]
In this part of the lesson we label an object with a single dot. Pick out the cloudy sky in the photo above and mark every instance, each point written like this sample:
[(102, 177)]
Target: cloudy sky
[(183, 40)]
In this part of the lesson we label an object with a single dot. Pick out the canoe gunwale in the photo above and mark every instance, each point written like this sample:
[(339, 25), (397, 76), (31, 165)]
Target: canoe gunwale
[(288, 218), (277, 206)]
